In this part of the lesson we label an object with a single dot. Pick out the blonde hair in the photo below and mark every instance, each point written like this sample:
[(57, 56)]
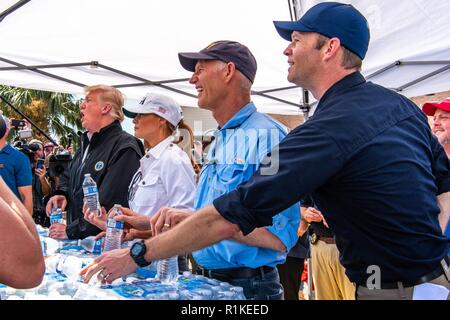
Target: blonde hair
[(110, 95), (189, 145)]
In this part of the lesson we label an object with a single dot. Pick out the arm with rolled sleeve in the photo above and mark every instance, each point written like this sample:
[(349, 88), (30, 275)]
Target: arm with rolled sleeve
[(307, 157), (113, 190)]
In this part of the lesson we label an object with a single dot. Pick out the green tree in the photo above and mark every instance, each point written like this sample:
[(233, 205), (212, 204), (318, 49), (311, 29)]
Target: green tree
[(57, 114)]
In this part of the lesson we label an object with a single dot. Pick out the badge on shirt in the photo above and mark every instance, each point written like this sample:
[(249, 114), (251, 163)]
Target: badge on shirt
[(1, 165), (99, 166)]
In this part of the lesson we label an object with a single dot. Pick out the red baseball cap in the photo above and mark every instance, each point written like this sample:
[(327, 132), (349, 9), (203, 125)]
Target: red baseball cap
[(430, 107)]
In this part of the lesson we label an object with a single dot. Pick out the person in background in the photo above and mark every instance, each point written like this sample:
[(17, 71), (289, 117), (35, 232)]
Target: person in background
[(223, 74), (21, 261), (440, 111), (330, 281), (15, 168)]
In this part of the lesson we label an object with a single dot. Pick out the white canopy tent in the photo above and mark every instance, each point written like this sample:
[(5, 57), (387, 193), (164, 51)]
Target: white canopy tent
[(63, 45)]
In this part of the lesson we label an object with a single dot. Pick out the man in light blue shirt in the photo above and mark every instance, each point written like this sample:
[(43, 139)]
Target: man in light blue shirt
[(223, 74)]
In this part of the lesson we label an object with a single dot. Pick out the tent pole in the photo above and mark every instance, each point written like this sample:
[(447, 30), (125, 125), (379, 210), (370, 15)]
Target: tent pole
[(13, 8)]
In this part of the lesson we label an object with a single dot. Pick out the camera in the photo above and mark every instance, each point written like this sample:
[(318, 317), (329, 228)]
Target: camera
[(17, 123), (59, 162), (40, 163), (27, 149)]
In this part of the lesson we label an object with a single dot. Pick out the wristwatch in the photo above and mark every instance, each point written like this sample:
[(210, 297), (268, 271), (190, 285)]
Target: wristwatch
[(137, 252)]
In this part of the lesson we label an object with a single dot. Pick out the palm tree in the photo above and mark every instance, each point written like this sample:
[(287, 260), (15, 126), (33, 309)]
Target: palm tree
[(57, 114)]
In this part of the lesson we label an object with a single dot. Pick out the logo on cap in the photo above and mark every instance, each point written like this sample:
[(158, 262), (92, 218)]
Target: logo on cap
[(143, 101), (162, 110), (211, 45)]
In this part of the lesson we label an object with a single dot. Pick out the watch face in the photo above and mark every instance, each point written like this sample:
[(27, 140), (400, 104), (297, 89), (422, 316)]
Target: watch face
[(136, 249)]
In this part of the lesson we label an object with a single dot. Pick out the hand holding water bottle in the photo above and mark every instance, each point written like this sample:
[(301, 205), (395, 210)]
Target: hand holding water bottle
[(58, 201)]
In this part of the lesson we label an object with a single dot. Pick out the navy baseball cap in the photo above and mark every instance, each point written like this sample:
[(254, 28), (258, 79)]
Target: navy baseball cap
[(332, 19), (226, 51)]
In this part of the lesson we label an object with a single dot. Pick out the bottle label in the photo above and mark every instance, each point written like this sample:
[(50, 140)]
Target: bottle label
[(56, 218), (114, 224), (98, 246), (90, 190)]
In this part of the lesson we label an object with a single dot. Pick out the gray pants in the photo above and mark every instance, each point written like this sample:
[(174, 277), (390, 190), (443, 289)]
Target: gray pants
[(363, 293)]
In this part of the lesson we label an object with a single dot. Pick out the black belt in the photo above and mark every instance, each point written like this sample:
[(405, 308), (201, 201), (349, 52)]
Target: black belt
[(234, 272), (315, 237), (436, 273)]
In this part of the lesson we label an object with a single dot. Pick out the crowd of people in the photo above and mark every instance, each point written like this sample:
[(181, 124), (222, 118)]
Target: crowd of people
[(364, 178)]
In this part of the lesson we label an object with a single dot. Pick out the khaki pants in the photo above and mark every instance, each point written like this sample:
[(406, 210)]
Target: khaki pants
[(330, 281), (364, 293)]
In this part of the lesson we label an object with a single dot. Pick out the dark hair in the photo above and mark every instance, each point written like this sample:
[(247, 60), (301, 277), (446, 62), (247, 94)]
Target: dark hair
[(349, 60)]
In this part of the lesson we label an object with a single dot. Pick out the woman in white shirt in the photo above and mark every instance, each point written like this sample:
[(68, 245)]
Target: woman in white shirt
[(166, 177)]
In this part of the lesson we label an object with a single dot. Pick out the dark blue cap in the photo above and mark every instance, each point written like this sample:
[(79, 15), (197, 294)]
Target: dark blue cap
[(332, 19), (226, 51)]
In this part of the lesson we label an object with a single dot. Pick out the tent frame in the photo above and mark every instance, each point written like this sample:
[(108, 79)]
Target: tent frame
[(294, 9)]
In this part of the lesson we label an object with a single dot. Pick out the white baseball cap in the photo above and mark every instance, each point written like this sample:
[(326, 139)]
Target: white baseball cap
[(158, 104)]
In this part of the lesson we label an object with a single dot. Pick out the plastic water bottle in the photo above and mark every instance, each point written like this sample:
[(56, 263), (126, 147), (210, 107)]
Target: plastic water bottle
[(90, 192), (168, 270), (56, 216), (91, 245), (114, 230)]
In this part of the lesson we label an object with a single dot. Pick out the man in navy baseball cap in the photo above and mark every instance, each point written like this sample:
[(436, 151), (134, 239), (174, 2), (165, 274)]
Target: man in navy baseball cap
[(226, 51), (332, 19)]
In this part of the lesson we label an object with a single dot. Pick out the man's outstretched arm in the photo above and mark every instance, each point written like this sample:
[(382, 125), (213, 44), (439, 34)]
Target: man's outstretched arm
[(201, 229)]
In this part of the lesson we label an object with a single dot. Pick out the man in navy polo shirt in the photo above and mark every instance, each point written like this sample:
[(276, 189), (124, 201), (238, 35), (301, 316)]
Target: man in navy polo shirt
[(15, 168), (441, 128), (368, 158)]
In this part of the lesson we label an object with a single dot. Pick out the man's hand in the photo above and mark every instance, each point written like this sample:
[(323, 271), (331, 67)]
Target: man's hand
[(93, 218), (313, 215), (133, 220), (57, 231), (110, 266), (58, 201), (167, 218)]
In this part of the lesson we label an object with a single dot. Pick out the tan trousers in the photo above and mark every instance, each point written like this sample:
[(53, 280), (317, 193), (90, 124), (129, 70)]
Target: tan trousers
[(330, 281), (397, 294)]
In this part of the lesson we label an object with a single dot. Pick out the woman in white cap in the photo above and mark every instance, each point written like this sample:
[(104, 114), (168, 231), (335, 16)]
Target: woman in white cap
[(167, 175)]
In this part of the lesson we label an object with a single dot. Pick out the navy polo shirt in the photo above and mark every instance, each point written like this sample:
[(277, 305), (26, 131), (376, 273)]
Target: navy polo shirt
[(15, 169), (373, 168)]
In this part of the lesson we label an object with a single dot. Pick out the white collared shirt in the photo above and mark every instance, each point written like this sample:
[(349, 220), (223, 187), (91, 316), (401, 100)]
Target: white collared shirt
[(165, 179)]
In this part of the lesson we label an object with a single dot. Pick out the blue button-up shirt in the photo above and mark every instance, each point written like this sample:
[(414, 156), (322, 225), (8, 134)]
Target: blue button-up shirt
[(373, 167), (15, 169), (233, 157)]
